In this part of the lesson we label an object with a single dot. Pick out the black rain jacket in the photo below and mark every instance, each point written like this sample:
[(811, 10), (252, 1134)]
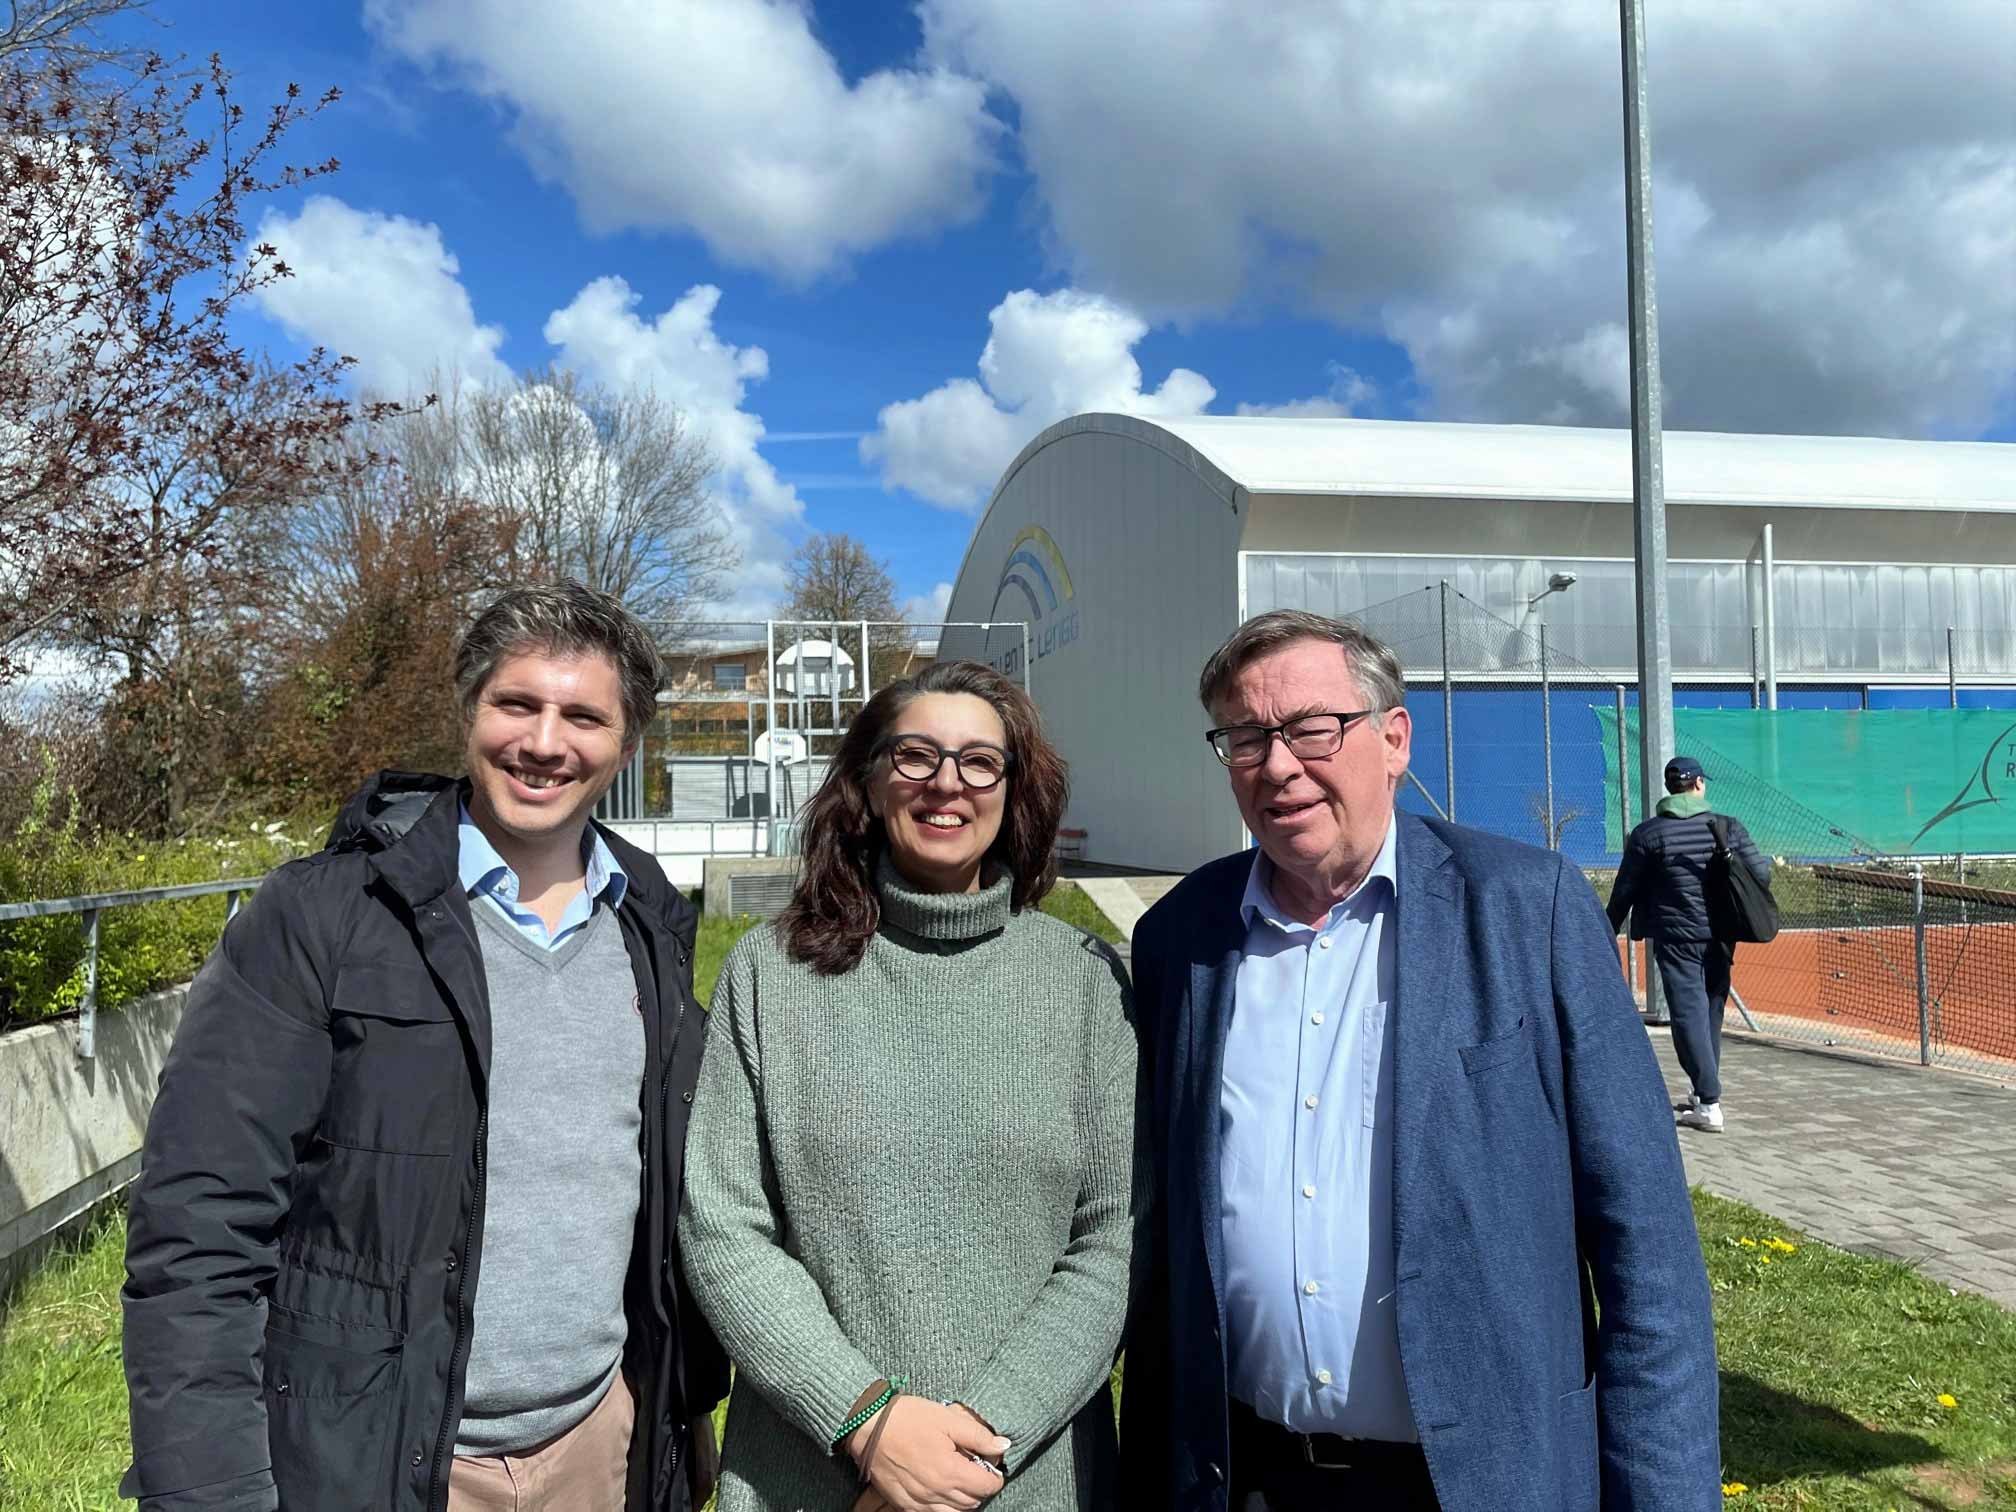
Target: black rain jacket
[(305, 1238)]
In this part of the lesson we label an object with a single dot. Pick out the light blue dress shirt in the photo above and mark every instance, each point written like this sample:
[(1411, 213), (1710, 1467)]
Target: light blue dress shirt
[(485, 874), (1306, 1110)]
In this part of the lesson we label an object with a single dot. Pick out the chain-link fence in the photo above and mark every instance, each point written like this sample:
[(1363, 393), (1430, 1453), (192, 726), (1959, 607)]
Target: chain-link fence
[(1504, 738), (751, 713), (1913, 959)]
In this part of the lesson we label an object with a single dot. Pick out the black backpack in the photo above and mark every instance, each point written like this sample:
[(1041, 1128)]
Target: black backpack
[(1740, 908)]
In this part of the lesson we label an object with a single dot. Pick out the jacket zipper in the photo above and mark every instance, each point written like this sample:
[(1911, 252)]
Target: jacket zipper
[(455, 1356)]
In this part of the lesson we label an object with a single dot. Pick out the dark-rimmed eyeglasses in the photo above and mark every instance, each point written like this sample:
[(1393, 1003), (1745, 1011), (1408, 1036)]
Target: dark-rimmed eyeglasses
[(921, 759), (1310, 738)]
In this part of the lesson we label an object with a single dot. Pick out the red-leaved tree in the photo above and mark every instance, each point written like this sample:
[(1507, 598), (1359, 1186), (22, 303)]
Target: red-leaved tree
[(137, 440)]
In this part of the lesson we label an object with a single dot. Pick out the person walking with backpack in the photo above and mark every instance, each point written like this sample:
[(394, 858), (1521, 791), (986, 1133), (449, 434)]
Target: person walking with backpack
[(1663, 884)]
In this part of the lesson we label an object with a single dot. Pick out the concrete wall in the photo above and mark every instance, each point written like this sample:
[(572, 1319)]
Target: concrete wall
[(70, 1129)]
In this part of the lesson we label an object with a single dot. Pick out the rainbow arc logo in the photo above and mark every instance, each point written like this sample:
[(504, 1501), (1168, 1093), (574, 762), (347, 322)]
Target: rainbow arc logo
[(1034, 574), (1035, 588)]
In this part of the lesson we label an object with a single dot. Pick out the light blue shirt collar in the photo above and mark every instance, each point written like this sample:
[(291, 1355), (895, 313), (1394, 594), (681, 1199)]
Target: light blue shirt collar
[(484, 873), (1258, 900)]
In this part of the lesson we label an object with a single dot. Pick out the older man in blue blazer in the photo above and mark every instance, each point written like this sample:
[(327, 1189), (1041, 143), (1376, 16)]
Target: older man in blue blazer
[(1424, 1237)]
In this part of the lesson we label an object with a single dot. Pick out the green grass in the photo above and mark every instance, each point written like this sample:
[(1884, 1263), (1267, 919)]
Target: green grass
[(1069, 902), (1832, 1370), (63, 1440), (1833, 1366)]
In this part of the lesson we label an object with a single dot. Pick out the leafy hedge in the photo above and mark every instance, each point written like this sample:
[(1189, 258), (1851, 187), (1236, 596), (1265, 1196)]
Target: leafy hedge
[(140, 948)]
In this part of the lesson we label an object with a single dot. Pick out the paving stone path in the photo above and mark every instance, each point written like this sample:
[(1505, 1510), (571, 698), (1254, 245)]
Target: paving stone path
[(1883, 1159)]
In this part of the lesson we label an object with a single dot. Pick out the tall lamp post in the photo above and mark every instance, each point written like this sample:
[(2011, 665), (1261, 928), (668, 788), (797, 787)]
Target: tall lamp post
[(1648, 477), (1560, 582)]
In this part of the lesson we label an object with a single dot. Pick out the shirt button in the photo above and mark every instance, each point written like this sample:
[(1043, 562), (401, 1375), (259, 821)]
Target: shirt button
[(1310, 1288), (1322, 1378), (1309, 1101), (1324, 943), (1308, 1191), (1316, 1017)]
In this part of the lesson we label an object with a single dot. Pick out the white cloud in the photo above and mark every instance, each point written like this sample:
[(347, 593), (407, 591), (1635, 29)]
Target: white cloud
[(387, 291), (1350, 393), (1050, 355), (380, 288), (600, 335), (726, 118), (1835, 227), (928, 609)]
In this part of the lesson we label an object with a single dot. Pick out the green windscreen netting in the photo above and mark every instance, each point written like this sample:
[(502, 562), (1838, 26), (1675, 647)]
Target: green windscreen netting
[(1901, 781)]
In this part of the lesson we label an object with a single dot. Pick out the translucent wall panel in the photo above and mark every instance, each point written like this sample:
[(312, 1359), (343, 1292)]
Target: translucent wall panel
[(1838, 620)]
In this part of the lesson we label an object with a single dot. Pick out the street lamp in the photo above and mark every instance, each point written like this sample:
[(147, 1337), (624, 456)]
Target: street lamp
[(1561, 582)]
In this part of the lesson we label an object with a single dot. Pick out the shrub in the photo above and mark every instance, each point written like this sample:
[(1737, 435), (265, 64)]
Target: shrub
[(141, 948)]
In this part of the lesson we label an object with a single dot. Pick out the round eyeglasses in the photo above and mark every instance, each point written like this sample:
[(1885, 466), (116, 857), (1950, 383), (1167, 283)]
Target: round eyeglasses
[(1309, 738), (921, 759)]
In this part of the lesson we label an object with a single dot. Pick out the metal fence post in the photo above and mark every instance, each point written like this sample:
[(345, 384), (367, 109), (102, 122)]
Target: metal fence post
[(1448, 713), (1918, 954), (1770, 621), (1547, 735), (87, 1011), (1756, 677), (769, 723), (1624, 831), (1952, 673)]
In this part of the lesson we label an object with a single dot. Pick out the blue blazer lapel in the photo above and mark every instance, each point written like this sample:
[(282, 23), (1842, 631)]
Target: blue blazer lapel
[(1430, 962)]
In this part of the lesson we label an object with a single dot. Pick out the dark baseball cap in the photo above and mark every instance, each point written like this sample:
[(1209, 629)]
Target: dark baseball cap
[(1682, 770)]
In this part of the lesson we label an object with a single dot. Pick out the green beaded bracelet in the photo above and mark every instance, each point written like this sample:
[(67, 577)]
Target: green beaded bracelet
[(895, 1384)]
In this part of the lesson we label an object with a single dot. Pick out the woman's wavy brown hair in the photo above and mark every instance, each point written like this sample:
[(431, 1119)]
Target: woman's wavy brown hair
[(834, 911)]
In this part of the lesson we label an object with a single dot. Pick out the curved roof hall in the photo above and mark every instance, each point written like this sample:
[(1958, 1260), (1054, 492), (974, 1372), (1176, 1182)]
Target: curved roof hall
[(1407, 458)]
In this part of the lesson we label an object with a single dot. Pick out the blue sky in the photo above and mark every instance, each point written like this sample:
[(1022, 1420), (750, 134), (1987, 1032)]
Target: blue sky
[(1394, 208)]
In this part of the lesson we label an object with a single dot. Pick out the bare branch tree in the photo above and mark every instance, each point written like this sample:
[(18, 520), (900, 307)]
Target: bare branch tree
[(65, 29), (1564, 815), (122, 235), (605, 485)]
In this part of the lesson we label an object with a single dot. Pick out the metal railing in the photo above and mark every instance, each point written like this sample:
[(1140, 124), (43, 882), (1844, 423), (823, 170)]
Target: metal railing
[(92, 904)]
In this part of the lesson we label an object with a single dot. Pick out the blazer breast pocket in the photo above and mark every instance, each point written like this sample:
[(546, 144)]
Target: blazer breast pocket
[(1501, 1049)]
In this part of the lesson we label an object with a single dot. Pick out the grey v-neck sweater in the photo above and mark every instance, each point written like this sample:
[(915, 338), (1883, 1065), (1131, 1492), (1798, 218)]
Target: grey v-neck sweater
[(562, 1184), (924, 1168)]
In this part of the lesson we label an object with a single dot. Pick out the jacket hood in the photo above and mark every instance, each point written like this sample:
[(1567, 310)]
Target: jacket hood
[(378, 815), (1682, 805)]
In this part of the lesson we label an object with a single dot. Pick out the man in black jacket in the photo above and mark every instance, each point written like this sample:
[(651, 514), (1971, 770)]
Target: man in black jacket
[(404, 1235), (1660, 885)]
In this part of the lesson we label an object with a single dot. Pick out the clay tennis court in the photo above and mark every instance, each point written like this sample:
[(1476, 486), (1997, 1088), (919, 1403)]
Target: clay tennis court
[(1859, 983)]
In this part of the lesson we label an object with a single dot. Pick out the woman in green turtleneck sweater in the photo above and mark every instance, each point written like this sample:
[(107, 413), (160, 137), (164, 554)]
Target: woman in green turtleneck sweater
[(912, 1179)]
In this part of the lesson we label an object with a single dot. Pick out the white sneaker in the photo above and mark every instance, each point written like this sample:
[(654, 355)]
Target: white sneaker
[(1707, 1117)]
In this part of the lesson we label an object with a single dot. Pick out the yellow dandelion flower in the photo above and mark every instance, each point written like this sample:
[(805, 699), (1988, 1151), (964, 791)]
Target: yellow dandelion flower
[(1733, 1488), (1948, 1400), (1747, 1243), (1763, 1259)]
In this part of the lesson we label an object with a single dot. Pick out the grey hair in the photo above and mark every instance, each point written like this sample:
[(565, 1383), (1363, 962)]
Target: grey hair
[(565, 618), (1373, 665)]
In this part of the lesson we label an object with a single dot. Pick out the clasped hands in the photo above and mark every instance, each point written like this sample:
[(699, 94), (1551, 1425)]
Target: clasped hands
[(919, 1458)]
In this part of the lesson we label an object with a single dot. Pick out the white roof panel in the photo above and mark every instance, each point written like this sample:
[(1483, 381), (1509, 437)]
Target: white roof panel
[(1432, 458)]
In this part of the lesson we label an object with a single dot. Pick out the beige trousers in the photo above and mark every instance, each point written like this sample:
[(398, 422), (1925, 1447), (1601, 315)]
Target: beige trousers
[(580, 1471)]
